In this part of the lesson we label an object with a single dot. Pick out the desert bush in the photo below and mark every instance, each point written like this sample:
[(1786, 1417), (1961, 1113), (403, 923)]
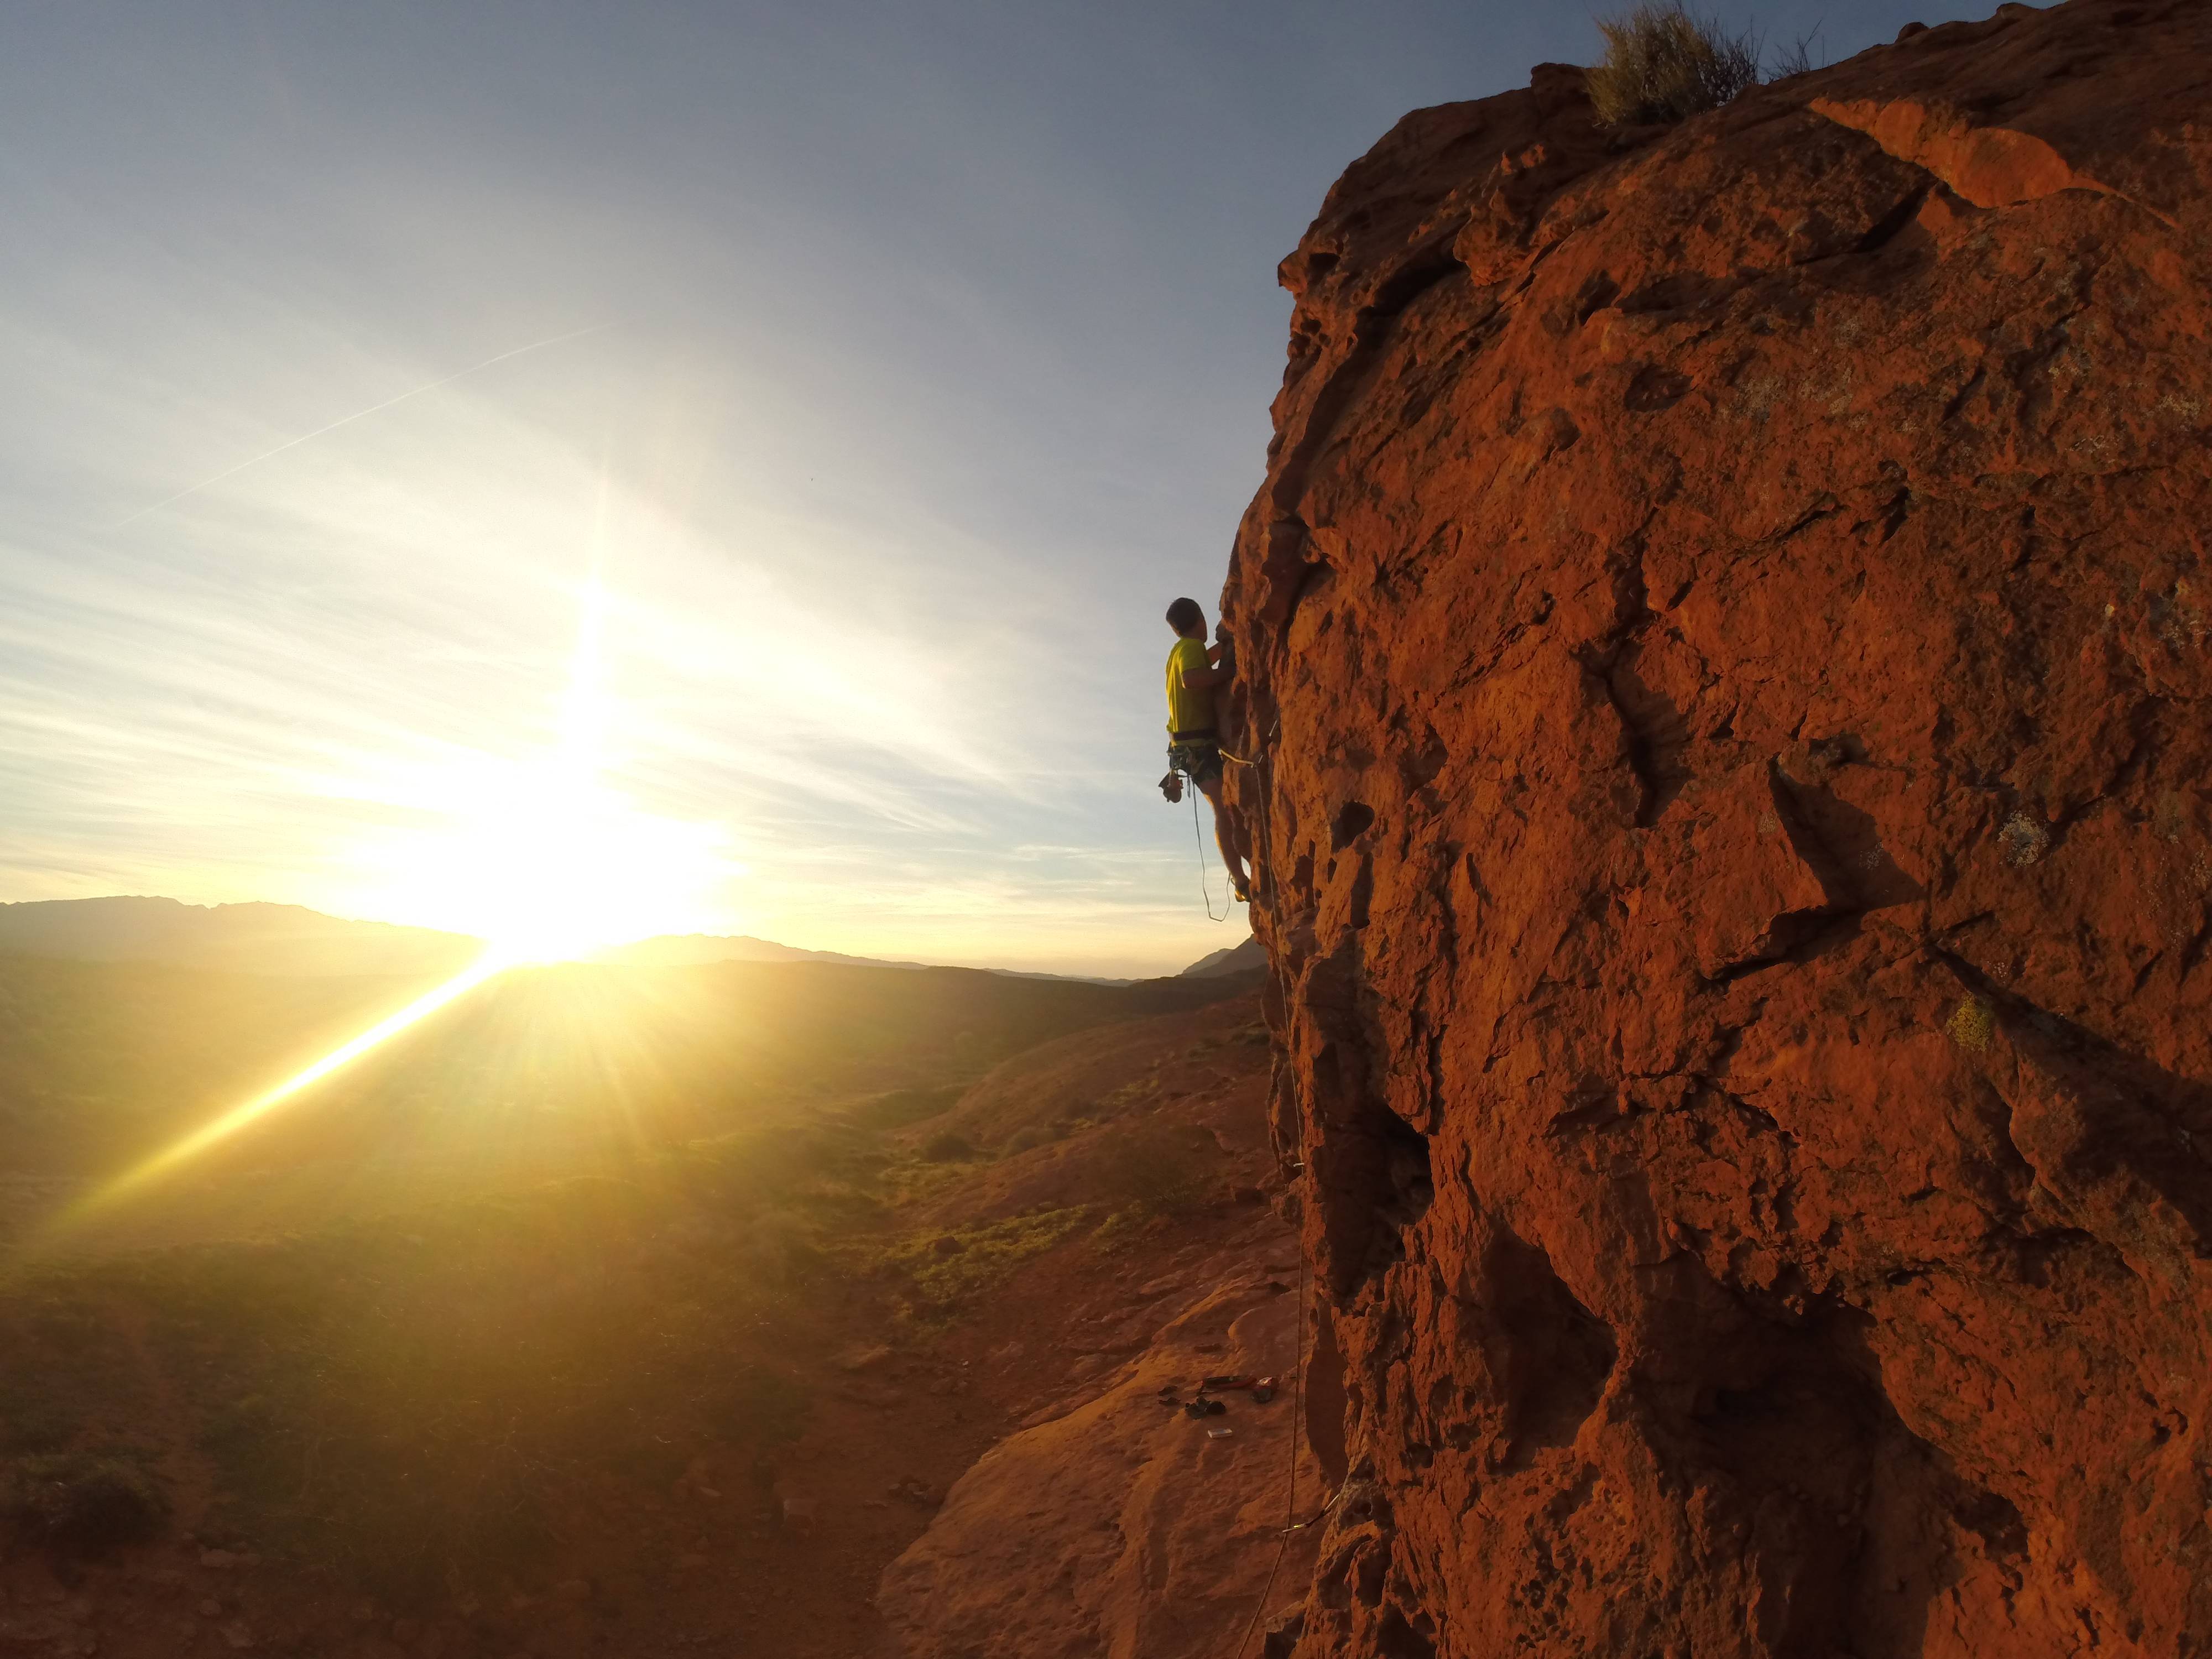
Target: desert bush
[(1664, 63), (943, 1280), (947, 1147), (1161, 1169), (1797, 59), (901, 1106), (38, 1413), (1124, 1227), (1025, 1140), (72, 1500)]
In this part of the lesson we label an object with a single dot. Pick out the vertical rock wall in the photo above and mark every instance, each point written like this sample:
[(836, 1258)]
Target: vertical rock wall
[(1726, 623)]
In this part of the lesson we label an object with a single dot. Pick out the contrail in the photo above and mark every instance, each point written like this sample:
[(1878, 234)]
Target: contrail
[(358, 415)]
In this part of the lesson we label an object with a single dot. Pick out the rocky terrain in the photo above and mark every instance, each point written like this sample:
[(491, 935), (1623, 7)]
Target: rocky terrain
[(1725, 624)]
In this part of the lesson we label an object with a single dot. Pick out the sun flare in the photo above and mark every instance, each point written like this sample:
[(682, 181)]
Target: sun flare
[(546, 859), (219, 1129), (548, 862), (551, 864)]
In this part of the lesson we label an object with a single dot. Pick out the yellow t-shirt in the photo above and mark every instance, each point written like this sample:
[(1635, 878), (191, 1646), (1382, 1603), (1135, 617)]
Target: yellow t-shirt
[(1188, 710)]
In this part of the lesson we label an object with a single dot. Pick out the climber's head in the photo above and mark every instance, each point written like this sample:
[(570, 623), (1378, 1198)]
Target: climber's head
[(1187, 619)]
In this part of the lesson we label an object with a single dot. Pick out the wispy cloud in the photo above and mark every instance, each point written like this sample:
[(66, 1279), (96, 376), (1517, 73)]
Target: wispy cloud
[(358, 415)]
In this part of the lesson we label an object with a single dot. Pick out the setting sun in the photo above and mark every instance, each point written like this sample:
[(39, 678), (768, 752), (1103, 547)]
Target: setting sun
[(549, 863), (552, 864), (545, 858)]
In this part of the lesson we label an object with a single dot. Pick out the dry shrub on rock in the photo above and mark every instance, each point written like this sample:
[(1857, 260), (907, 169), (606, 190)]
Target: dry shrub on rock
[(1664, 63), (79, 1502)]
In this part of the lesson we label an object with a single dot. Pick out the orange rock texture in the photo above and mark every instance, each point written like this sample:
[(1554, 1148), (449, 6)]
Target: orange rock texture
[(1724, 630)]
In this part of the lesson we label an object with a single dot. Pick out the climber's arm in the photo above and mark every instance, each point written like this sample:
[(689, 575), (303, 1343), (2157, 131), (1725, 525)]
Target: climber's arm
[(1220, 668)]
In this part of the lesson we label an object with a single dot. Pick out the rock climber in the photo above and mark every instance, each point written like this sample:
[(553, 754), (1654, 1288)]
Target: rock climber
[(1195, 670)]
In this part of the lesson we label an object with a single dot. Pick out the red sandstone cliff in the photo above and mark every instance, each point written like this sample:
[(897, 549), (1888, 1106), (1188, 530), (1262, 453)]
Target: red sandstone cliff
[(1727, 614)]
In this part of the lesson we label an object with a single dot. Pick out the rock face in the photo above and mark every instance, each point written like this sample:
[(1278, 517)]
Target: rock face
[(1726, 620)]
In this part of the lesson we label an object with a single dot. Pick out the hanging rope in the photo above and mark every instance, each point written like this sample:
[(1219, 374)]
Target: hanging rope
[(1264, 847), (1204, 887), (1290, 1500)]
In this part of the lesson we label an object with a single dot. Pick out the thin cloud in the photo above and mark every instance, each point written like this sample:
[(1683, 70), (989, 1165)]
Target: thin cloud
[(358, 415)]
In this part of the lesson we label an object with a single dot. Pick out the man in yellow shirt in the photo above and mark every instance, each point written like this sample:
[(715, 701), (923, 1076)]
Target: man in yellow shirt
[(1194, 668)]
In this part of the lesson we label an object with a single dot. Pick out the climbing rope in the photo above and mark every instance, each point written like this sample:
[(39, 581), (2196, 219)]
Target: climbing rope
[(1291, 1525), (1198, 835), (1291, 1501), (1205, 887)]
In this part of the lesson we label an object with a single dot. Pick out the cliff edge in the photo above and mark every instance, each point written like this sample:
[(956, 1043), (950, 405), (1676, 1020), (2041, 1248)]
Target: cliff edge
[(1725, 629)]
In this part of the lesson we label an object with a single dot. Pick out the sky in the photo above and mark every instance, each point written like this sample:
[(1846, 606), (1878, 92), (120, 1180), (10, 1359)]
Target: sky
[(703, 468)]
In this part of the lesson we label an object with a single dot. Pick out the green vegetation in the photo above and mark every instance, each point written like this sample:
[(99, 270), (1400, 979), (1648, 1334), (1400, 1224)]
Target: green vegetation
[(1664, 63), (1254, 1034), (947, 1270), (1124, 1227), (1159, 1168)]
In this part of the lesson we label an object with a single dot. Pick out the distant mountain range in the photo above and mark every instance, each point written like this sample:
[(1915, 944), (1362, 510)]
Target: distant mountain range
[(685, 949), (290, 939), (1245, 958), (245, 939)]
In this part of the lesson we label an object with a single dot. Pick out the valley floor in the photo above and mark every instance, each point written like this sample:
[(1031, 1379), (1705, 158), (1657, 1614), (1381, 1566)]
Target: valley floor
[(894, 1389)]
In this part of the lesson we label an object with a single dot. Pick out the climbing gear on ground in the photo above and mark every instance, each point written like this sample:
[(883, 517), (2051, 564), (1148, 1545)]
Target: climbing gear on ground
[(1202, 1402), (1261, 1389)]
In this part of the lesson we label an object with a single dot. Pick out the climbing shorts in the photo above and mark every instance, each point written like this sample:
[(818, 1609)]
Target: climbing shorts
[(1200, 759)]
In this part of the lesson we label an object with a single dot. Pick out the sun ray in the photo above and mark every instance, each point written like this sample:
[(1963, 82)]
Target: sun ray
[(245, 1115)]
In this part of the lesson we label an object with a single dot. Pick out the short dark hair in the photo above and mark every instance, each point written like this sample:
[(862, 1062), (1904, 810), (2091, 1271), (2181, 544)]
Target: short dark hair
[(1184, 615)]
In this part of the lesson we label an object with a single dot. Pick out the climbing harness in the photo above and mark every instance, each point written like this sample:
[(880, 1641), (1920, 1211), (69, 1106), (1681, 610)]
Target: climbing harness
[(1171, 786)]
